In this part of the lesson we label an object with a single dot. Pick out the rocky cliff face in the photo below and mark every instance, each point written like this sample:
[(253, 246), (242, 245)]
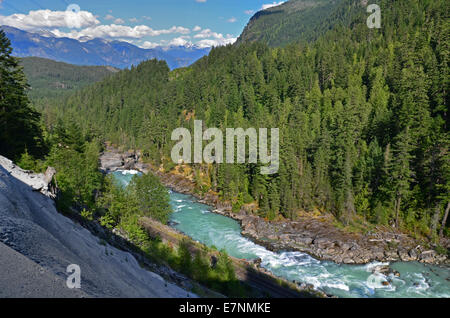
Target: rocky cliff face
[(45, 243)]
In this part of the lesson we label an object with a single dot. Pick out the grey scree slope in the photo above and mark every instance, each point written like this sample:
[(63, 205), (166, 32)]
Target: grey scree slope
[(37, 244)]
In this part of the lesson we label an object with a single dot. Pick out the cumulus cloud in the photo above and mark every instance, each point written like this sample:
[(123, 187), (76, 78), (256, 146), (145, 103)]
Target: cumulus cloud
[(215, 42), (249, 12), (180, 41), (115, 31), (210, 38), (83, 25), (207, 33), (50, 19), (201, 1), (232, 20), (149, 45), (118, 20), (271, 5)]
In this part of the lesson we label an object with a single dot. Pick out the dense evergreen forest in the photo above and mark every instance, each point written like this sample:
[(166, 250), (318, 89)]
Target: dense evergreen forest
[(20, 127), (48, 79), (362, 113), (297, 19)]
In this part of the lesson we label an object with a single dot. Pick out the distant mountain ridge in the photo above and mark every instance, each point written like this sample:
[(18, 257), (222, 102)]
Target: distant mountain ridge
[(48, 78), (97, 52)]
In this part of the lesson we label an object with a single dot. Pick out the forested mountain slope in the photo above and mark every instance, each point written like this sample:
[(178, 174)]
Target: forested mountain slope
[(297, 20), (48, 78), (363, 117)]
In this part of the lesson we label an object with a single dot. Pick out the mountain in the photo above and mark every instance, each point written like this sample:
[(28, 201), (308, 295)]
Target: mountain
[(294, 20), (361, 112), (48, 78), (97, 51)]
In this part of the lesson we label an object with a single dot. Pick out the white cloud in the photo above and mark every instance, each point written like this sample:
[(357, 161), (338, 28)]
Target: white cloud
[(210, 38), (271, 5), (201, 1), (115, 31), (232, 20), (116, 20), (50, 19), (149, 45), (249, 12), (207, 33), (180, 41), (218, 40), (215, 42), (84, 25)]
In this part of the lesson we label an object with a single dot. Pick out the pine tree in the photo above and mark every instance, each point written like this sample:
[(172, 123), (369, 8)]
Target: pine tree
[(19, 122), (401, 175)]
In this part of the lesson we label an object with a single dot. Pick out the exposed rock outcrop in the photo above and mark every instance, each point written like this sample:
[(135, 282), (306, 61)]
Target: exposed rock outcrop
[(112, 159), (37, 181)]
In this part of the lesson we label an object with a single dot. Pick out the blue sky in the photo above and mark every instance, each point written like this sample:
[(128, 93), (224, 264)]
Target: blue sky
[(146, 23)]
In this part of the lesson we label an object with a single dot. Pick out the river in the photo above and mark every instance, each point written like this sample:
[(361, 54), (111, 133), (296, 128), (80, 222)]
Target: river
[(197, 221)]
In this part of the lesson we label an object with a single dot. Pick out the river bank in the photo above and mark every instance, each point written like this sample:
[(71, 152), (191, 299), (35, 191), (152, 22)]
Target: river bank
[(317, 236), (263, 283)]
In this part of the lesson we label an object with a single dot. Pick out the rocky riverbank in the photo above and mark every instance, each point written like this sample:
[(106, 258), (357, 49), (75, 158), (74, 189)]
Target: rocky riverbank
[(317, 236), (113, 159)]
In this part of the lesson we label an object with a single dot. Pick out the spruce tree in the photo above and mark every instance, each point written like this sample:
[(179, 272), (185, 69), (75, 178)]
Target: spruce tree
[(19, 122)]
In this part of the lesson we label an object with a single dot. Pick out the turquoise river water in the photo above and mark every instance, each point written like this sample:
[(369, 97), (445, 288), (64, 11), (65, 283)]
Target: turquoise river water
[(197, 221)]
